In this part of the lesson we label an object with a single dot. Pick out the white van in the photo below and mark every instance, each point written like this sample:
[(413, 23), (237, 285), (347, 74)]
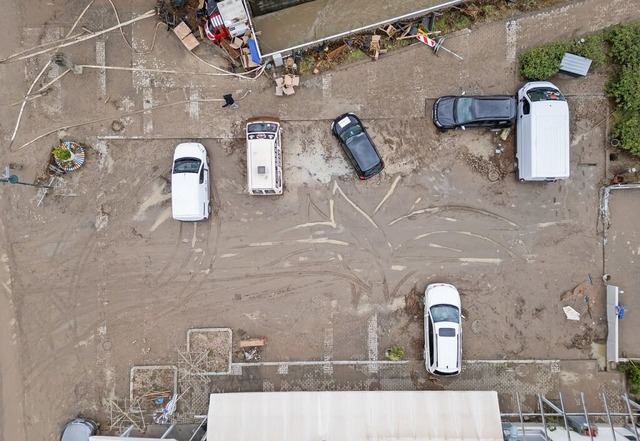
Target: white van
[(264, 156), (190, 183), (542, 133)]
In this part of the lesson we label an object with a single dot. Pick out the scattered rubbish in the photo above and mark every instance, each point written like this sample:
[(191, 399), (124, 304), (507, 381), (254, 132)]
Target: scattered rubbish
[(285, 85), (251, 348), (571, 313), (620, 312), (252, 354), (504, 134)]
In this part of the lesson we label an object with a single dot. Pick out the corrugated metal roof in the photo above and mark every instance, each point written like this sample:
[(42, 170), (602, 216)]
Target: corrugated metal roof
[(574, 65), (353, 416)]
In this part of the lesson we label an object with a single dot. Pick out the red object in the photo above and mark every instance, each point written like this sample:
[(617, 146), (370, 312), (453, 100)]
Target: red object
[(215, 28), (426, 40)]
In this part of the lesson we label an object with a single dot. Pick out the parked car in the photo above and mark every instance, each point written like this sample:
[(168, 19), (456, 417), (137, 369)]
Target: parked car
[(79, 429), (442, 329), (190, 183), (357, 145), (493, 112)]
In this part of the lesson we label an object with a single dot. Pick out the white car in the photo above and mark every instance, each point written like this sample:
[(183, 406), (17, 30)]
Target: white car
[(442, 329), (190, 183)]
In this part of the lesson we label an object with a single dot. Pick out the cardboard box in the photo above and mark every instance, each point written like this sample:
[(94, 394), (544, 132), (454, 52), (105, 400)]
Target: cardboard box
[(190, 42), (236, 43), (288, 81), (182, 30), (279, 90), (295, 80), (279, 82), (288, 90)]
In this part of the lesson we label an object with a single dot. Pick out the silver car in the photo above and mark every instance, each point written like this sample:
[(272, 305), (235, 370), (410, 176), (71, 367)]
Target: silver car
[(79, 429)]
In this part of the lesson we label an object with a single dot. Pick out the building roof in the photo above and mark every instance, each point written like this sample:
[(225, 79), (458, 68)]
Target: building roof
[(353, 416)]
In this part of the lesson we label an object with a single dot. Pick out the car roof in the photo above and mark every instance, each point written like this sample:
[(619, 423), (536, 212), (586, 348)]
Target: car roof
[(363, 151), (493, 107), (447, 347)]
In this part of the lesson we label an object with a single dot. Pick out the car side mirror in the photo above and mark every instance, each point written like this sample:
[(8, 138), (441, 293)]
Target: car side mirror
[(464, 92), (463, 127)]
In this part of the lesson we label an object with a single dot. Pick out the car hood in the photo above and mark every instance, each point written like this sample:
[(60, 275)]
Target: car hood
[(443, 111), (441, 293), (190, 150)]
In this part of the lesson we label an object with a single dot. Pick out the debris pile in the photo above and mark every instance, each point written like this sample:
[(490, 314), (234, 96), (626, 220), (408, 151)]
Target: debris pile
[(285, 85), (220, 24)]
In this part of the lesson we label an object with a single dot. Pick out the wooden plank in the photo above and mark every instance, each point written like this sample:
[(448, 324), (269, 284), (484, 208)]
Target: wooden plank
[(253, 342)]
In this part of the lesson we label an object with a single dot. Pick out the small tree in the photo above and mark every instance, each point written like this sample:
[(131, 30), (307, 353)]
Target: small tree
[(61, 153)]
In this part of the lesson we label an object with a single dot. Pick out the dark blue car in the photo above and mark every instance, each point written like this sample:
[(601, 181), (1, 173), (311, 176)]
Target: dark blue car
[(492, 112), (357, 145)]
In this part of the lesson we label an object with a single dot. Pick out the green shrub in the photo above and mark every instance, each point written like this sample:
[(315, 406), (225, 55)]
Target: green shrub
[(543, 62), (625, 88), (632, 372), (627, 130), (625, 44), (61, 153), (395, 353), (592, 47)]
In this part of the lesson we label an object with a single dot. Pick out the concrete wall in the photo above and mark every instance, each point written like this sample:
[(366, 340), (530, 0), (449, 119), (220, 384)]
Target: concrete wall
[(262, 7)]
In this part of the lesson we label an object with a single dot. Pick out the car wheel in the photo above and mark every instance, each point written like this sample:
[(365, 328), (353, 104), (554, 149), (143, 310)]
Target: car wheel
[(209, 208)]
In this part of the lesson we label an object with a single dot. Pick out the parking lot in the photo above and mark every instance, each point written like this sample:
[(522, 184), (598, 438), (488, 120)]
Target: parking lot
[(334, 269)]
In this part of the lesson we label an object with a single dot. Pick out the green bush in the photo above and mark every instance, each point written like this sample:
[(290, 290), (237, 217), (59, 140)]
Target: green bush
[(632, 372), (625, 44), (395, 353), (592, 47), (61, 153), (627, 130), (625, 88), (543, 62)]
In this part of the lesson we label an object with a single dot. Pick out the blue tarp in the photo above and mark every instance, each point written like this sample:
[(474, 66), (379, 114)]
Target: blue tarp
[(253, 48)]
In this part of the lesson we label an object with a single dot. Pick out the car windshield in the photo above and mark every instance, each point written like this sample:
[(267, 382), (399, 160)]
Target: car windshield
[(186, 165), (545, 94), (262, 127), (445, 313), (351, 132), (463, 110)]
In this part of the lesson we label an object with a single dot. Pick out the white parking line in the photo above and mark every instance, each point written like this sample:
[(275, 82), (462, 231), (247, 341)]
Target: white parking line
[(147, 103), (512, 39), (102, 74), (372, 342), (194, 101), (328, 350), (326, 86)]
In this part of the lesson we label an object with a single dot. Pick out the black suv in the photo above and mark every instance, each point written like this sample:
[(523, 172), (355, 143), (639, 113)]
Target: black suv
[(491, 112), (357, 145)]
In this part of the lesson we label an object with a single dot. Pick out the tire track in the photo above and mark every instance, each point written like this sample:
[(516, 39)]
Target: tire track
[(463, 208)]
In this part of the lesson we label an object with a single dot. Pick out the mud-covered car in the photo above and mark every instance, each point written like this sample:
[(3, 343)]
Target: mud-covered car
[(496, 111), (357, 145)]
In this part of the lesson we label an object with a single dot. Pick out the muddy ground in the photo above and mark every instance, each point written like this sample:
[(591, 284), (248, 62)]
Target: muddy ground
[(99, 278)]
